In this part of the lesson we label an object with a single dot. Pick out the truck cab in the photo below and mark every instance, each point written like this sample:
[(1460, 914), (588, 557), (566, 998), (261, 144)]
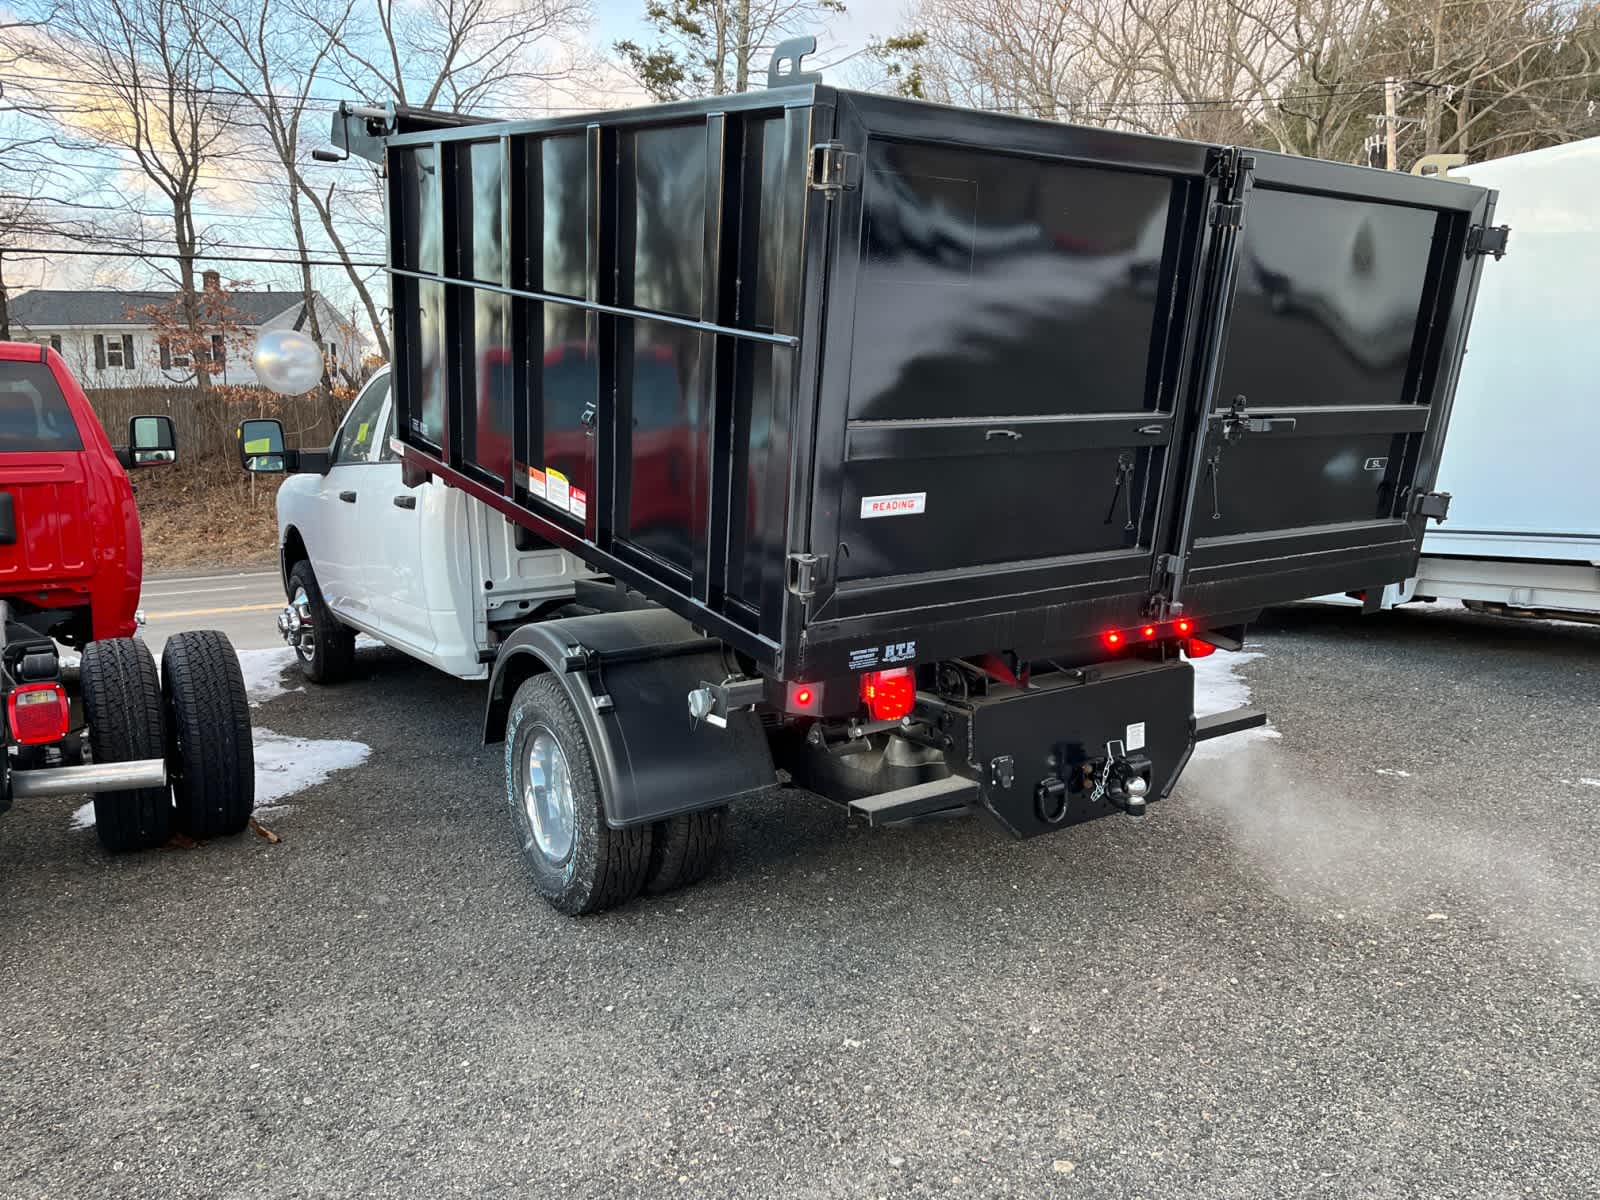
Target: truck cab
[(421, 567)]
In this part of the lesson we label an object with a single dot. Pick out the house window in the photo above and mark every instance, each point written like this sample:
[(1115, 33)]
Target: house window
[(113, 350), (218, 353), (332, 349)]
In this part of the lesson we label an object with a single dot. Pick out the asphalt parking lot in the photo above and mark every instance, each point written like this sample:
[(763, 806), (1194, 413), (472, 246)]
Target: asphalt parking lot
[(1361, 959)]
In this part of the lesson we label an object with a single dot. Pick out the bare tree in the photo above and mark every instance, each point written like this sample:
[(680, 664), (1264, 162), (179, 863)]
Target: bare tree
[(713, 47), (258, 47), (156, 100)]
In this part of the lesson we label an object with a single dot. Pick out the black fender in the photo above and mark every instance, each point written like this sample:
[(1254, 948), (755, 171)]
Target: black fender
[(629, 675)]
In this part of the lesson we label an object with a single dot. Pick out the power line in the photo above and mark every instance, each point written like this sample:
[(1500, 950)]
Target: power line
[(290, 259)]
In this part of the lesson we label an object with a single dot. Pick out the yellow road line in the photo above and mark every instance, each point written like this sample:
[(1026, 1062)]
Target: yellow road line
[(210, 612)]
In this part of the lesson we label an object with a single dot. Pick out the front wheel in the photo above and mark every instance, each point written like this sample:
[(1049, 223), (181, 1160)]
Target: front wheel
[(578, 862), (326, 649)]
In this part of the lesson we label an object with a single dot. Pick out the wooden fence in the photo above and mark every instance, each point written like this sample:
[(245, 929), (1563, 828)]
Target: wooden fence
[(206, 421)]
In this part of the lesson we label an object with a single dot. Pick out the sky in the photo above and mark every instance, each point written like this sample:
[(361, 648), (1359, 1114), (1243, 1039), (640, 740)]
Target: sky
[(242, 203)]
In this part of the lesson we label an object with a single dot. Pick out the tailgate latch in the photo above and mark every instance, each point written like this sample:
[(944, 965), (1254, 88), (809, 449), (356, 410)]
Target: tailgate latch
[(804, 571), (1431, 504)]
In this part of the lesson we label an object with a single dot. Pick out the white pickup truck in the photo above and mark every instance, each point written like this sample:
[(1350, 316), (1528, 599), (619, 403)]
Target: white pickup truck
[(353, 541)]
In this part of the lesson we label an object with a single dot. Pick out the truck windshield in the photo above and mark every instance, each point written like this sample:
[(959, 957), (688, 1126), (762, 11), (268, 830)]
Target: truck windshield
[(33, 412)]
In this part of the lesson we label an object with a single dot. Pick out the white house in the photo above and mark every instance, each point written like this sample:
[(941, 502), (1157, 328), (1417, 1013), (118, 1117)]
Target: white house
[(110, 339)]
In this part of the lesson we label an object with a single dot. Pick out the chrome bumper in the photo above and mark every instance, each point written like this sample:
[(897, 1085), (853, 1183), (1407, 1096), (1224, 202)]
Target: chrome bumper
[(96, 777)]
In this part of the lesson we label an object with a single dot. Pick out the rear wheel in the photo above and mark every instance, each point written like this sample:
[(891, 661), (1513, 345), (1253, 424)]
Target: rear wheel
[(209, 751), (684, 849), (122, 708), (578, 862), (326, 649)]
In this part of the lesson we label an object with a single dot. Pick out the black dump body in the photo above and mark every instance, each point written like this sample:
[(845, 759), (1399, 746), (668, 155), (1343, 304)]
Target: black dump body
[(845, 380)]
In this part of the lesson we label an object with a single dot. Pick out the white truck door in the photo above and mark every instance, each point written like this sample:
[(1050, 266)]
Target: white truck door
[(402, 569), (345, 506)]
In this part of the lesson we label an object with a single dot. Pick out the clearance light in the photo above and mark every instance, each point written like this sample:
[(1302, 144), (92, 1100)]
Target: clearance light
[(889, 695), (1195, 648), (1112, 638), (37, 714), (1183, 626), (1148, 632), (804, 697)]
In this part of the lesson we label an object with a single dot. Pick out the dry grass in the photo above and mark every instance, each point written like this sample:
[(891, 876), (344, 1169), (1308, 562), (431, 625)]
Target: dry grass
[(207, 514)]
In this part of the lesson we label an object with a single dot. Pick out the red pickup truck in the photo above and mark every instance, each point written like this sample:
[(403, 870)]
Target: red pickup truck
[(159, 752)]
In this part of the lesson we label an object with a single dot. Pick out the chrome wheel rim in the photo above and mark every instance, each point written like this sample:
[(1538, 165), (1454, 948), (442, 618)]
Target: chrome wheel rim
[(547, 797), (296, 625)]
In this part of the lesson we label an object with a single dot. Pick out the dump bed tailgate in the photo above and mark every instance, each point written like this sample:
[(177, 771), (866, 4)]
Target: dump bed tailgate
[(1074, 380)]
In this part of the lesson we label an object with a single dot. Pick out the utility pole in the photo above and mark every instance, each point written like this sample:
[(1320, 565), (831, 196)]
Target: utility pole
[(1390, 120)]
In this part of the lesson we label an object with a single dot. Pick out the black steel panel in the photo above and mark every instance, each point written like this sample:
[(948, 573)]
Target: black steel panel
[(996, 285), (1327, 302)]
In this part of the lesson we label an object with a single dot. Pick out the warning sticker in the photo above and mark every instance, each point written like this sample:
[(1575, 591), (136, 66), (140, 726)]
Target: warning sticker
[(1135, 738), (556, 488), (902, 505), (536, 482), (578, 503)]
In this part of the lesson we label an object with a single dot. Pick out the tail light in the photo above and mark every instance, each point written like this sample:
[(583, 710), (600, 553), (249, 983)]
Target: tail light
[(37, 714), (1113, 639), (889, 695), (1195, 648)]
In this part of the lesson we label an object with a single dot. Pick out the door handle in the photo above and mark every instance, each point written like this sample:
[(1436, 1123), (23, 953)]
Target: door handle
[(404, 501), (348, 497)]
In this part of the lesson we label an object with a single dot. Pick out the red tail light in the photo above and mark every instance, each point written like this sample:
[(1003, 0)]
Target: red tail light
[(1113, 639), (1195, 648), (1183, 627), (1148, 632), (37, 714), (889, 695)]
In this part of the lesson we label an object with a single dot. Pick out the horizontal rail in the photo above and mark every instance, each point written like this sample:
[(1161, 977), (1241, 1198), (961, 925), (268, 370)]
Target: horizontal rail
[(94, 777), (751, 335)]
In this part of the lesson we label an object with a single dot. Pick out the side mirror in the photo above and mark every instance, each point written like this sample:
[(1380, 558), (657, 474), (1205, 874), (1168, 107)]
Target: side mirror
[(152, 442), (261, 446)]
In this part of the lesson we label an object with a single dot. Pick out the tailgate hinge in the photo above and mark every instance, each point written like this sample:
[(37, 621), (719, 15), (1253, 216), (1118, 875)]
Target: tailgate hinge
[(1227, 216), (1431, 504), (833, 168), (1488, 239), (804, 570)]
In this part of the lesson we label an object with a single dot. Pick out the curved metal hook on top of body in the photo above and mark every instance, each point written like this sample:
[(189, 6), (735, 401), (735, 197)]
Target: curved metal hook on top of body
[(792, 51)]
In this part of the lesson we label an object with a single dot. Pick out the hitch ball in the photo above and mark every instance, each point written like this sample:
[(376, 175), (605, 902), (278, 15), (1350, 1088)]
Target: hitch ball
[(1137, 788)]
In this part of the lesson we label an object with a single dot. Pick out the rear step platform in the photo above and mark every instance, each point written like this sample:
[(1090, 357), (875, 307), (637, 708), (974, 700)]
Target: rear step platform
[(918, 800), (1234, 720)]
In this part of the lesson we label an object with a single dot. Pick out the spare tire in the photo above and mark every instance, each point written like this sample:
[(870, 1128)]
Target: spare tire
[(210, 756), (122, 708)]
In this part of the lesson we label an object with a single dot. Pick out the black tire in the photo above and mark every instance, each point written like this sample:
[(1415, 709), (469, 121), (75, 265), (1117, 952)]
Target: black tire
[(210, 756), (331, 657), (603, 867), (684, 849), (122, 709)]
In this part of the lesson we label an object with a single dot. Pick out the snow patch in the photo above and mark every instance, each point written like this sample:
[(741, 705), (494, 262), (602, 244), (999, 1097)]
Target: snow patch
[(83, 816), (1395, 771), (1590, 782), (286, 765), (263, 673), (1217, 688)]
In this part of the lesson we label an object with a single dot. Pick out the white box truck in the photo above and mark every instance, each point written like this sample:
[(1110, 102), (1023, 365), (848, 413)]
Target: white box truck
[(1522, 462)]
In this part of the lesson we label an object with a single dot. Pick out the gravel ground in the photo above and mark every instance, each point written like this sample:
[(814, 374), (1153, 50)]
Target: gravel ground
[(1362, 959)]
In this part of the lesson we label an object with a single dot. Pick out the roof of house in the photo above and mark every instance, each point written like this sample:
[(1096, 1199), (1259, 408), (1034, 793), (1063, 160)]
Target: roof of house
[(114, 307)]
